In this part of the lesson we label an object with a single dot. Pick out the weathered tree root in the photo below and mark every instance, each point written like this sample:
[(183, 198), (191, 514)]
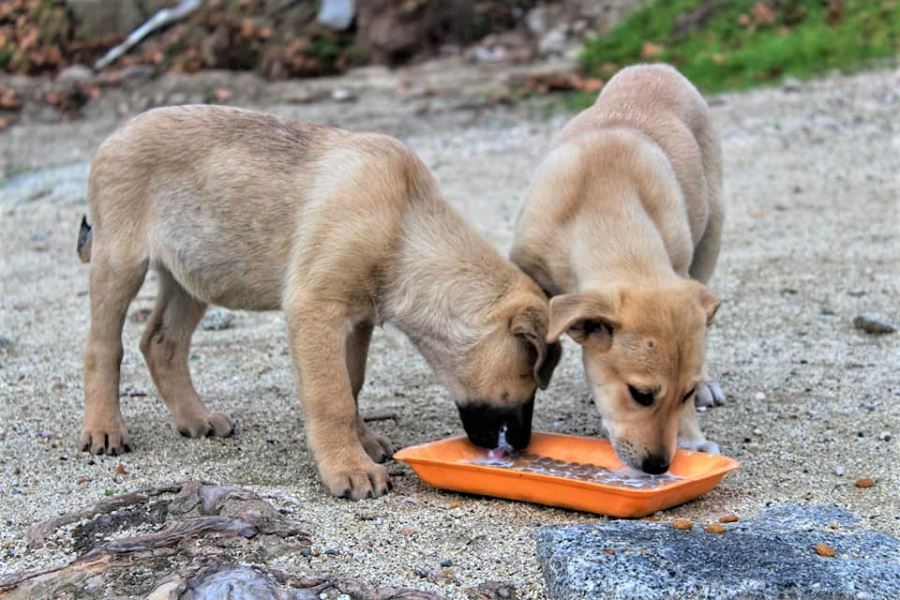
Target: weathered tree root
[(206, 536)]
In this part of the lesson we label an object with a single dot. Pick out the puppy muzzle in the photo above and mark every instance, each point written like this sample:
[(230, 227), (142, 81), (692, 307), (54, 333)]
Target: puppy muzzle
[(483, 423)]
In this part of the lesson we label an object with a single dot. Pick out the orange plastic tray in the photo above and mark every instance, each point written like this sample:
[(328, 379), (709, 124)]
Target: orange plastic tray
[(447, 464)]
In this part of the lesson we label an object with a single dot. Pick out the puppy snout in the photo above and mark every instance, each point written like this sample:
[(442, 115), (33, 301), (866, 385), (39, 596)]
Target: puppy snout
[(483, 423), (655, 465)]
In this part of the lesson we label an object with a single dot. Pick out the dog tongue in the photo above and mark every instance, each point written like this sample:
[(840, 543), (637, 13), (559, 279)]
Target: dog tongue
[(503, 447)]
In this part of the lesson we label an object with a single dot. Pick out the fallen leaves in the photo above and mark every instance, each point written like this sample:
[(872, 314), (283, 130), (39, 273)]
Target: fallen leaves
[(729, 519), (649, 50), (9, 99)]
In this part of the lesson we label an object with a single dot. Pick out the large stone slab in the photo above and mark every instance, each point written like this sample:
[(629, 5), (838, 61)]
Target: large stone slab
[(770, 556)]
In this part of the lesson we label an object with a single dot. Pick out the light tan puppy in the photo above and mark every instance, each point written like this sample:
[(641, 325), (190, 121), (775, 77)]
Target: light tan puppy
[(622, 225), (342, 231)]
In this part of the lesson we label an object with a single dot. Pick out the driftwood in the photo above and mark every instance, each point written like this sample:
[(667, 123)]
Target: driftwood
[(207, 542)]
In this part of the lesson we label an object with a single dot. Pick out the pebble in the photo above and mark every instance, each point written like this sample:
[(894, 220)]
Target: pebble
[(873, 325), (839, 471), (865, 483), (825, 550), (885, 436), (446, 563), (759, 396), (217, 319), (715, 528)]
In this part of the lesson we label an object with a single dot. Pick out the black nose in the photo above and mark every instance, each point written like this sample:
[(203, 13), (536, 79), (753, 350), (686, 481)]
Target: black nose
[(483, 422), (655, 465)]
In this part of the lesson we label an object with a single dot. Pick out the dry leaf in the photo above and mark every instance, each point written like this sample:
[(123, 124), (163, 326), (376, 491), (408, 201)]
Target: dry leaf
[(763, 13), (651, 50), (728, 519)]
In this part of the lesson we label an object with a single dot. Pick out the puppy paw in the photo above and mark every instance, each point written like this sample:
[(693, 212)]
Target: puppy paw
[(105, 436), (363, 480), (701, 445), (709, 394), (378, 447), (207, 424)]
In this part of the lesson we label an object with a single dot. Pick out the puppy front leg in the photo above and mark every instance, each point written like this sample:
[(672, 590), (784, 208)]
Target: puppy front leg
[(318, 336), (689, 435)]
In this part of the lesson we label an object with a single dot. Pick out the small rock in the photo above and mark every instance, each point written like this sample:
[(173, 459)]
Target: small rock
[(825, 550), (873, 325), (342, 95), (885, 436), (217, 319), (446, 563), (865, 483), (330, 551), (715, 528), (75, 73), (759, 396), (839, 471), (46, 434), (121, 470)]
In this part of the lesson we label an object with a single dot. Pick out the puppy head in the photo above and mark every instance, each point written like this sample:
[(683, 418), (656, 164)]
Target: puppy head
[(643, 351), (502, 370)]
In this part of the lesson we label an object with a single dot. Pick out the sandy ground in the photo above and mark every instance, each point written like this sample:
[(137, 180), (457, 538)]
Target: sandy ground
[(812, 176)]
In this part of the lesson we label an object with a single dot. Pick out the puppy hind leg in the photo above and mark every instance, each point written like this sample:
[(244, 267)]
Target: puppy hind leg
[(166, 345), (113, 285), (378, 448)]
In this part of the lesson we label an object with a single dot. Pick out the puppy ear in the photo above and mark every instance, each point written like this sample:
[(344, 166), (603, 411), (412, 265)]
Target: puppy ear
[(588, 317), (709, 301), (531, 326)]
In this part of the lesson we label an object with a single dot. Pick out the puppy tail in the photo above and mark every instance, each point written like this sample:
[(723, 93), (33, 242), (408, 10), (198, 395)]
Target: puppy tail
[(84, 240)]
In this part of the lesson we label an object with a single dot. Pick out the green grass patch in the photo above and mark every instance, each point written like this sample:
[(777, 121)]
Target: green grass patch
[(737, 44)]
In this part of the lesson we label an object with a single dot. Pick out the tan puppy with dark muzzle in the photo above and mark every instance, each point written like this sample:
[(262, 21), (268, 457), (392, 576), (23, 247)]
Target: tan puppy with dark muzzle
[(342, 231), (622, 225)]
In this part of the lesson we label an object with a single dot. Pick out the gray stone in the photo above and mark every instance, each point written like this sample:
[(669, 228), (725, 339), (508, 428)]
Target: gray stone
[(769, 556), (75, 73), (217, 319)]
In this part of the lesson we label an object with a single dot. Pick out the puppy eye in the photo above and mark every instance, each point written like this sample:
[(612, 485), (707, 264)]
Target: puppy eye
[(644, 398), (689, 394)]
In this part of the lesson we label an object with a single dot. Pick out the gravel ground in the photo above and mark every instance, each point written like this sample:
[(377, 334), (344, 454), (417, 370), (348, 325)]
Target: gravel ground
[(812, 240)]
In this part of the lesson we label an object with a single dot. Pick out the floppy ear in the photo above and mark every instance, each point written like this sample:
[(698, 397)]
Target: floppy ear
[(531, 326), (709, 301), (588, 317)]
